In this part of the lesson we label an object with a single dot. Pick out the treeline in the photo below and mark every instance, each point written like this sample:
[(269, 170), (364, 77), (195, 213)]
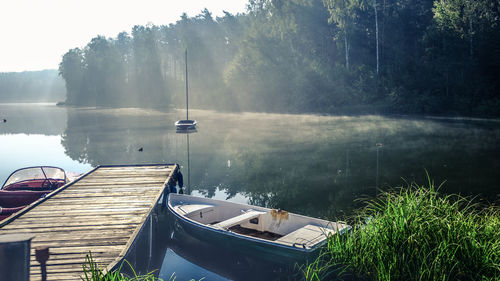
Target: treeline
[(31, 86), (330, 56)]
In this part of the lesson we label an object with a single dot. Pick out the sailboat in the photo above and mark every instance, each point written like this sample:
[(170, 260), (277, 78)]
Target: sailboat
[(186, 124)]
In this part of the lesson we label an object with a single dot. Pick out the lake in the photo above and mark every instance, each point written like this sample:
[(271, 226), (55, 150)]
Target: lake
[(308, 164)]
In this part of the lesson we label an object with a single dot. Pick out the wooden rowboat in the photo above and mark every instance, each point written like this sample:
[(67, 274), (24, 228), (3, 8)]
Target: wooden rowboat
[(251, 229)]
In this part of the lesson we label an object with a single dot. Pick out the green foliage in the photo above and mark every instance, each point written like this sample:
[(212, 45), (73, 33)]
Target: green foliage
[(416, 234), (323, 56), (92, 272)]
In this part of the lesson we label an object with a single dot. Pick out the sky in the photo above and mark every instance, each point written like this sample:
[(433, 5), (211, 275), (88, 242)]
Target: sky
[(35, 34)]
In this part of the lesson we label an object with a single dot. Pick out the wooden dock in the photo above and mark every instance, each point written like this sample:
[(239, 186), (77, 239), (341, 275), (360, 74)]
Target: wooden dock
[(102, 212)]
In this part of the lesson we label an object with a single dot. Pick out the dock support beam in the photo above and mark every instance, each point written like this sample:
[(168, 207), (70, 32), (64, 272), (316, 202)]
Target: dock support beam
[(42, 256), (15, 257)]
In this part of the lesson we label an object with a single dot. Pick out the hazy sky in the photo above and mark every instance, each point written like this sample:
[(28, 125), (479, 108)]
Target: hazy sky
[(35, 34)]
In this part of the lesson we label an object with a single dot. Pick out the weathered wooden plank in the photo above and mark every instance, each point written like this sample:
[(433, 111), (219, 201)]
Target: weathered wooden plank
[(71, 264), (88, 202), (85, 242), (98, 201), (82, 231), (110, 188), (101, 199), (58, 259), (79, 221), (59, 234), (119, 186), (133, 168), (102, 213), (96, 206), (62, 249), (116, 193), (75, 256), (56, 276), (95, 220), (112, 182), (122, 188), (116, 197), (125, 177), (41, 225), (71, 268), (131, 171)]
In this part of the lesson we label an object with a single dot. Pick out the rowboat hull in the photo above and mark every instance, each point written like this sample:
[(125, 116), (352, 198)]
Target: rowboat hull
[(12, 199), (271, 250), (240, 244), (227, 263)]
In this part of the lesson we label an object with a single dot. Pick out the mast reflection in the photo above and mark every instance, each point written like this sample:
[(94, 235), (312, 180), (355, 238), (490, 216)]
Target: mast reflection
[(187, 132)]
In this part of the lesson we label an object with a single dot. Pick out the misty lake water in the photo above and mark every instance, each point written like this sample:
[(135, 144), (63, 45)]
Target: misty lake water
[(308, 164)]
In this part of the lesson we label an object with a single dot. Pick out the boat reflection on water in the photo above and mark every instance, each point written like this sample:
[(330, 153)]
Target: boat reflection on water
[(175, 266), (189, 258), (185, 131)]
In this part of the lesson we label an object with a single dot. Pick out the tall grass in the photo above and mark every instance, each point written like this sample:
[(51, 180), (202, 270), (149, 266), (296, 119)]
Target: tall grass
[(415, 234), (92, 272)]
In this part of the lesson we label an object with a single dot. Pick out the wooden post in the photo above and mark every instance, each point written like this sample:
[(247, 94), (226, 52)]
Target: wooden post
[(42, 255), (15, 256)]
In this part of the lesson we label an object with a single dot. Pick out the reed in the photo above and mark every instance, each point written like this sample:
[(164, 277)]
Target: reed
[(414, 233), (92, 272)]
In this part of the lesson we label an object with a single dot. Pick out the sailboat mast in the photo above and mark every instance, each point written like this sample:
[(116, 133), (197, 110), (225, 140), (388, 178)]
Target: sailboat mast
[(187, 109)]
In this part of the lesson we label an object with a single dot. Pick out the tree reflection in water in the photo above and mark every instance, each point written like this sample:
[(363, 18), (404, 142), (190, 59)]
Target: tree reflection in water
[(314, 165)]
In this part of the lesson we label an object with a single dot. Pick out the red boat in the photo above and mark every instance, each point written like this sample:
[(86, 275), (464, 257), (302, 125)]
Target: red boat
[(27, 185)]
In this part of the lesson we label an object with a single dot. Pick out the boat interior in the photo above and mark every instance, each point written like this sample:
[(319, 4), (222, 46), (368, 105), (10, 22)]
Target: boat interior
[(278, 226)]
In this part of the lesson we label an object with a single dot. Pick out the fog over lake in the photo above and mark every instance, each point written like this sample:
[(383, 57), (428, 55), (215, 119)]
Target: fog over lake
[(310, 164)]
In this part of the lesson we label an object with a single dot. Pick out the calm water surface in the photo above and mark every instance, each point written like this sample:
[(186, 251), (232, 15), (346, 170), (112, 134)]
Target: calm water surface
[(313, 165)]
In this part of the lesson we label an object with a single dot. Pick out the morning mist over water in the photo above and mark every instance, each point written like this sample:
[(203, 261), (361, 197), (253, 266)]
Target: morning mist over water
[(309, 164)]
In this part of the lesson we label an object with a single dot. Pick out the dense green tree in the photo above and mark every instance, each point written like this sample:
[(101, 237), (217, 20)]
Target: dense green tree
[(148, 77), (324, 56), (72, 70), (463, 47), (343, 15)]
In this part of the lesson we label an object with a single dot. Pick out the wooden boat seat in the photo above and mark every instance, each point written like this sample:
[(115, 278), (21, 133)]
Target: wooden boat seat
[(306, 236), (187, 209), (238, 219)]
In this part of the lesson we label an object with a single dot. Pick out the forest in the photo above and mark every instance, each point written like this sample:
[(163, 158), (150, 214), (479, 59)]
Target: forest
[(31, 86), (437, 57)]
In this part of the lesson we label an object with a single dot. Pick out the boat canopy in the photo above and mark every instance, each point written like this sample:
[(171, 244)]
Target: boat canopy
[(35, 173)]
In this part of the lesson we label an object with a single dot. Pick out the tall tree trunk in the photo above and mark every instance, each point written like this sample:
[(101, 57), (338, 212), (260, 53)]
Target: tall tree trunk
[(447, 87), (346, 51), (376, 33), (470, 35)]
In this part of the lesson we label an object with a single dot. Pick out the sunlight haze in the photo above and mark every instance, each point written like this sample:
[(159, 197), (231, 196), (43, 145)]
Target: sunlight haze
[(36, 34)]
